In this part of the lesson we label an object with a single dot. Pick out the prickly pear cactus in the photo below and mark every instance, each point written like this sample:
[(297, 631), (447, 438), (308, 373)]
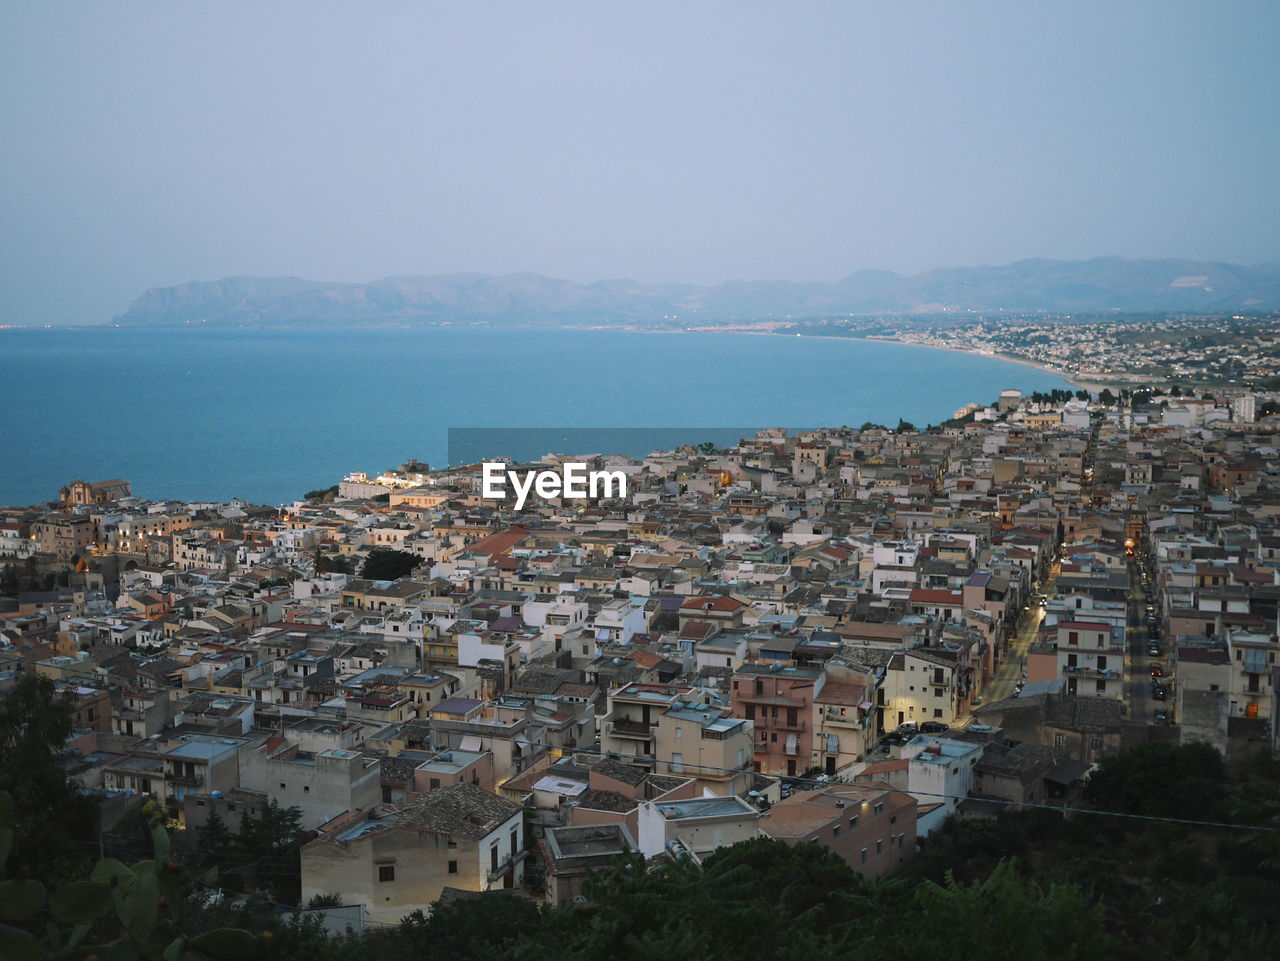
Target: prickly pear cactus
[(141, 904)]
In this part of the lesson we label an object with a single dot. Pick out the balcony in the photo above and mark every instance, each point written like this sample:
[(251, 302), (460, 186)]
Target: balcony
[(1104, 673), (780, 700), (189, 780), (629, 727)]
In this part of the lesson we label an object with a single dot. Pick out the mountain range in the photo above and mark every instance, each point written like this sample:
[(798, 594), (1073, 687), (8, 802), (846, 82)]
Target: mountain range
[(1049, 286)]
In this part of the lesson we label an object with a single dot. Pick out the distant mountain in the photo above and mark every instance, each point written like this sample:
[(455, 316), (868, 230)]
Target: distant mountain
[(1051, 286)]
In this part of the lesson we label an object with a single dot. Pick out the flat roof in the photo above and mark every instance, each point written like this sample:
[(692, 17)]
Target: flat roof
[(710, 807)]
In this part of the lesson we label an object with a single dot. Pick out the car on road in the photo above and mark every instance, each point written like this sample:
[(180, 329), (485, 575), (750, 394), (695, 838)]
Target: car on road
[(1157, 670), (933, 727), (1159, 692), (1154, 649), (1161, 716)]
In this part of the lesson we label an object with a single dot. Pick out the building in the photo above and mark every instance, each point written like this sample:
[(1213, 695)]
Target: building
[(571, 853), (707, 743), (79, 493), (871, 826), (778, 699), (63, 535), (1091, 658), (394, 861), (321, 784)]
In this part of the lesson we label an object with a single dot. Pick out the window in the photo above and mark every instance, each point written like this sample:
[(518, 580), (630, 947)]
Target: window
[(386, 872), (937, 692), (679, 733), (878, 809), (282, 787), (835, 831), (493, 857), (879, 846), (853, 821), (1102, 685), (677, 763), (435, 783), (1059, 740), (937, 712), (864, 855), (453, 867), (306, 789), (1073, 637), (751, 712)]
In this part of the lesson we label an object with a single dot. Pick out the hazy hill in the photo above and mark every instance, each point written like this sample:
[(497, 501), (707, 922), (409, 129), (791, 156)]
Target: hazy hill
[(1054, 286)]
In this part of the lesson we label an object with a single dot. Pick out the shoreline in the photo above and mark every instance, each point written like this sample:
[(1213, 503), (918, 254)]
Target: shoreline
[(1073, 379)]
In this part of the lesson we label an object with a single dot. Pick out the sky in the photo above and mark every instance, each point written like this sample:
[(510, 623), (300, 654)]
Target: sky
[(149, 144)]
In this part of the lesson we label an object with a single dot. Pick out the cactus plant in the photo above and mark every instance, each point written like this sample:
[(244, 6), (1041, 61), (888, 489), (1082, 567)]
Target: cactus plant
[(142, 905)]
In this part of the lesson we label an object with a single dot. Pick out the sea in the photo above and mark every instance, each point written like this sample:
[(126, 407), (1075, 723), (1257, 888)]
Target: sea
[(268, 414)]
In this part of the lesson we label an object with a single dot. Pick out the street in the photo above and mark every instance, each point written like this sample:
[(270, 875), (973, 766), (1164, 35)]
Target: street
[(1012, 668)]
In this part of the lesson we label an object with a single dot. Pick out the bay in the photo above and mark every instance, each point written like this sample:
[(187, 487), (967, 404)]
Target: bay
[(267, 415)]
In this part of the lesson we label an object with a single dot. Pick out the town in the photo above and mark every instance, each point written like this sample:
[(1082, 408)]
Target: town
[(844, 637), (1190, 351)]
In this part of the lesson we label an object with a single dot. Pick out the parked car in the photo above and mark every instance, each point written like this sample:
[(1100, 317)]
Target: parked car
[(933, 727), (1159, 692), (1154, 649), (1161, 716), (1157, 670)]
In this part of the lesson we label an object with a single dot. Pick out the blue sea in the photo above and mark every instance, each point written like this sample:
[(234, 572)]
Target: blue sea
[(267, 415)]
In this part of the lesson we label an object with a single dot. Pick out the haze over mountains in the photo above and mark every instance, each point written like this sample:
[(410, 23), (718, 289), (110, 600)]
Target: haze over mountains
[(1050, 286)]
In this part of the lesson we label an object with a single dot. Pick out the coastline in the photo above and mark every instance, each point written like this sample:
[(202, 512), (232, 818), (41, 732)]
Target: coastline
[(1073, 379)]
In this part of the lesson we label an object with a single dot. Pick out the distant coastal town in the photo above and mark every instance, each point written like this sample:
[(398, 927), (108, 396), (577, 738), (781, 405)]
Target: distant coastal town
[(448, 696), (1240, 352)]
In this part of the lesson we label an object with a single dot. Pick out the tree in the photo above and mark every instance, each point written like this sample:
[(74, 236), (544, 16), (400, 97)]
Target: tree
[(1162, 780), (9, 583), (269, 843), (468, 927), (707, 447), (385, 564), (332, 900), (216, 844), (1106, 398), (53, 823), (905, 426), (323, 494)]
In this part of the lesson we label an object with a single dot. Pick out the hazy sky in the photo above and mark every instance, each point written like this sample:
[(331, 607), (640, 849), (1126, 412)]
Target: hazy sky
[(150, 144)]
